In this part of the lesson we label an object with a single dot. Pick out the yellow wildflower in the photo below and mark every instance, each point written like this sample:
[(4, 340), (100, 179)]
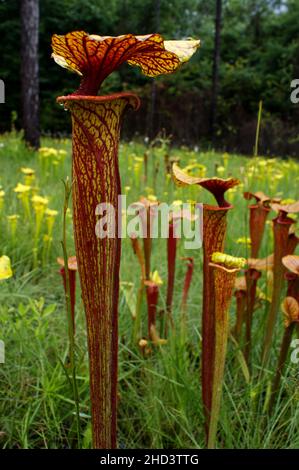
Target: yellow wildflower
[(177, 203), (5, 268), (51, 213), (48, 152), (29, 175), (244, 241), (285, 202), (27, 171), (156, 278), (220, 170), (39, 202), (21, 188), (13, 222)]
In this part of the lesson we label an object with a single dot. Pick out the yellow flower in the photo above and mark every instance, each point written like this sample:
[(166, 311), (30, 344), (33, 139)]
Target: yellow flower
[(177, 203), (51, 213), (285, 202), (29, 175), (220, 170), (5, 268), (28, 171), (243, 241), (200, 169), (225, 158), (21, 188), (192, 202), (48, 152), (156, 278), (39, 202), (13, 217), (152, 198), (13, 222)]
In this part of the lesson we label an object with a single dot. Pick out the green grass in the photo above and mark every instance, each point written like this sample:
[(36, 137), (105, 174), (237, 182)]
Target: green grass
[(159, 395)]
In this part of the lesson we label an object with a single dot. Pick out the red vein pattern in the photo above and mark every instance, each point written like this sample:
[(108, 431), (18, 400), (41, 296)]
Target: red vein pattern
[(257, 222), (171, 264), (152, 294), (96, 127), (223, 281), (281, 228), (95, 57), (252, 276), (214, 223)]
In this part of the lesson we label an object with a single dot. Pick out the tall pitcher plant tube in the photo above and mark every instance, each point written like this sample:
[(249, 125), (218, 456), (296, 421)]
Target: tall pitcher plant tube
[(186, 287), (240, 295), (290, 308), (223, 274), (214, 230), (282, 247), (172, 241), (257, 219), (252, 275), (96, 124)]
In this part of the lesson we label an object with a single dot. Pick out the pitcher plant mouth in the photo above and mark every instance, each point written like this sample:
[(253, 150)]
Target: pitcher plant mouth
[(216, 186)]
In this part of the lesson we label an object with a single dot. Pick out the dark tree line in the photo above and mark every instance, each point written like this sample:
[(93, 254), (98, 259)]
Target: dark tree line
[(219, 90)]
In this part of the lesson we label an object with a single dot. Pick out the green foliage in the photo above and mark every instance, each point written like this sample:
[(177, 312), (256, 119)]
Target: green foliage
[(259, 58), (159, 394)]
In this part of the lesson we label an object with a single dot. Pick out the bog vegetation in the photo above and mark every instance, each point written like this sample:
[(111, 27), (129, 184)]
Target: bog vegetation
[(159, 393)]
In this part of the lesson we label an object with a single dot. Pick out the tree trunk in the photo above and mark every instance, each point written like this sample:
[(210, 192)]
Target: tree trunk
[(216, 63), (30, 71)]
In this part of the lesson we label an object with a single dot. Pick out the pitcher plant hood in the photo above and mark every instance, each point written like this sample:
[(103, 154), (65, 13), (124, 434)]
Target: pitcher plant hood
[(216, 186), (94, 57)]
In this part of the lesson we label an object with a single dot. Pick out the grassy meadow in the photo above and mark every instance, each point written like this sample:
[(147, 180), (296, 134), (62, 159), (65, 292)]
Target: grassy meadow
[(160, 402)]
